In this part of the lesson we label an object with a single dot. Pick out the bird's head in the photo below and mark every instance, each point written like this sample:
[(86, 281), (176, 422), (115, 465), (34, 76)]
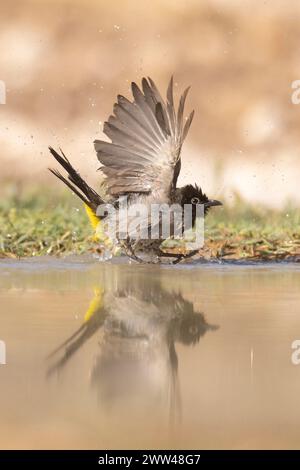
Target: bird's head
[(194, 195)]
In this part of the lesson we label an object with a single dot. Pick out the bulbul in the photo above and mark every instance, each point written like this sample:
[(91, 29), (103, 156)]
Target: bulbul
[(142, 162), (138, 323)]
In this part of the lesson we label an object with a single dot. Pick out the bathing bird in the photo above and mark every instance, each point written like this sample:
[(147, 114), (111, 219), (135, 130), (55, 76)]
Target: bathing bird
[(141, 164)]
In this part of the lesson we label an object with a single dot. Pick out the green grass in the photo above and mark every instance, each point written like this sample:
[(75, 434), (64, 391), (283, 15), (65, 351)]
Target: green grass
[(33, 223), (245, 231)]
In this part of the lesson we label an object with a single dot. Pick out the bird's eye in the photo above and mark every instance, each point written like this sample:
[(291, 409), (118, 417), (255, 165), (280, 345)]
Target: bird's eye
[(195, 200)]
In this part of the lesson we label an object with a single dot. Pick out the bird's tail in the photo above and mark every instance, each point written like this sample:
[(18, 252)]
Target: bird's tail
[(74, 181)]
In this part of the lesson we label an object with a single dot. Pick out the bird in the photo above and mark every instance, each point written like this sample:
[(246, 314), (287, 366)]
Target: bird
[(136, 323), (141, 163)]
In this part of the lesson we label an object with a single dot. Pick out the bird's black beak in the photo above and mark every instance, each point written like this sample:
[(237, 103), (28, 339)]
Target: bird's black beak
[(213, 202)]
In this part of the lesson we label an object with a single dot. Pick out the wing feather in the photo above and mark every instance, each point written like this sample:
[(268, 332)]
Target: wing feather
[(170, 107), (181, 110), (187, 125)]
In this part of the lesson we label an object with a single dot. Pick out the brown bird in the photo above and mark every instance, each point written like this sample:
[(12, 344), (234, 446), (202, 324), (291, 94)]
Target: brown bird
[(142, 162)]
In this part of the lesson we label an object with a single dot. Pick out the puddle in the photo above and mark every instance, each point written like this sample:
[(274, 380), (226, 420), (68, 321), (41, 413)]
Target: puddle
[(194, 356)]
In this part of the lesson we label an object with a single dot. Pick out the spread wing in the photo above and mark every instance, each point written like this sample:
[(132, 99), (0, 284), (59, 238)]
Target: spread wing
[(146, 139)]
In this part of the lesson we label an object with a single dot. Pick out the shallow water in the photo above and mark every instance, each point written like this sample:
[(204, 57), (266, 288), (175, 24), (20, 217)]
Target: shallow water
[(164, 357)]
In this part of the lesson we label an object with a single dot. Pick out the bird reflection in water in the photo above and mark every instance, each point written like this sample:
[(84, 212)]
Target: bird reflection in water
[(138, 324)]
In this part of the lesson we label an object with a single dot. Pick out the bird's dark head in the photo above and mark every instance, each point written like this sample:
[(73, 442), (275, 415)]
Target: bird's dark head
[(194, 195)]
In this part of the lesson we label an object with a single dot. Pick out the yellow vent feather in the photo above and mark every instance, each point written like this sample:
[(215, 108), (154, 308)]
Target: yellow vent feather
[(100, 235), (94, 220)]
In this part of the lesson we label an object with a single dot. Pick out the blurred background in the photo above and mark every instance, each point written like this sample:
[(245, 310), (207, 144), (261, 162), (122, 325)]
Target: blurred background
[(65, 61)]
